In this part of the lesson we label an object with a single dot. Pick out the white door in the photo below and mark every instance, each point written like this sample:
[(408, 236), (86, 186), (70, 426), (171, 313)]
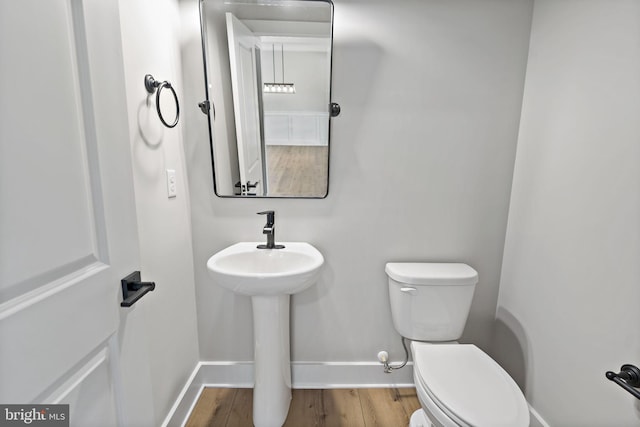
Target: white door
[(68, 230), (244, 82)]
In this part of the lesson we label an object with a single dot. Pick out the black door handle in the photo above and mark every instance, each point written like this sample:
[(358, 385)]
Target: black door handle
[(133, 289)]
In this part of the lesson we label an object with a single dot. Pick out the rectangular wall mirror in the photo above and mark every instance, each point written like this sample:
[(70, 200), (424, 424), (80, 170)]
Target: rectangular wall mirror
[(268, 85)]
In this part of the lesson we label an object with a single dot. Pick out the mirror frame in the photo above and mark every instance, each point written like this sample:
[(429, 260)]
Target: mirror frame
[(208, 105)]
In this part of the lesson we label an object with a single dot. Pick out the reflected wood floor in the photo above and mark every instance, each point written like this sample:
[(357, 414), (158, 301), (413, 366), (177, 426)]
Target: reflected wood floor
[(380, 407), (295, 170)]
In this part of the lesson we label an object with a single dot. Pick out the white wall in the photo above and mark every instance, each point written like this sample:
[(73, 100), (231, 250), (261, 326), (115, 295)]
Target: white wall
[(569, 288), (307, 70), (150, 33), (421, 167)]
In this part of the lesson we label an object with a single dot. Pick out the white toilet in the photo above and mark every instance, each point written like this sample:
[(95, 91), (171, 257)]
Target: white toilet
[(457, 384)]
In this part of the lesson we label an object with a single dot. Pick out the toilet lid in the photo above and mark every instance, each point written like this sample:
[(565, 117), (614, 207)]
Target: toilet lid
[(469, 386), (433, 274)]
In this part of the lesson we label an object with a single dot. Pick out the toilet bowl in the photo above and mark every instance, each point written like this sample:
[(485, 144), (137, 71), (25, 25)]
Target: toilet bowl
[(460, 385), (457, 384)]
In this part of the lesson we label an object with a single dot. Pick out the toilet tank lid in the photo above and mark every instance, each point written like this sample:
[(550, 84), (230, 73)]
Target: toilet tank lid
[(430, 273)]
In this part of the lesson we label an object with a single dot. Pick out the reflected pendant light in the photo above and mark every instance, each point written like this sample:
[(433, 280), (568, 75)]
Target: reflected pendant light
[(274, 87)]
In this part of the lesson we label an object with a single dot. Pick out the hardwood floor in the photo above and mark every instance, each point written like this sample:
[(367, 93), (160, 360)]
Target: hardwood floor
[(294, 170), (380, 407)]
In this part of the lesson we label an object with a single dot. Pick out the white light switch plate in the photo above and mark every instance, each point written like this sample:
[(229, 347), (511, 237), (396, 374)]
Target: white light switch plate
[(171, 183)]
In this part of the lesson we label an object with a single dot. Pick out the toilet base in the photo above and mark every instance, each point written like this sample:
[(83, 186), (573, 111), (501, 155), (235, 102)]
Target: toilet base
[(419, 419)]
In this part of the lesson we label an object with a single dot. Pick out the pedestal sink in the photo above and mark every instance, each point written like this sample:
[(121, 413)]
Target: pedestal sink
[(269, 277)]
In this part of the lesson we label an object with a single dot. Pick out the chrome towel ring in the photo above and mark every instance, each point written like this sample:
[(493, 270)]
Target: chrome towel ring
[(151, 85)]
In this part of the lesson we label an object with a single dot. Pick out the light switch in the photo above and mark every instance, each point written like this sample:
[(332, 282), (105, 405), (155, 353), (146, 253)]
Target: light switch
[(171, 183)]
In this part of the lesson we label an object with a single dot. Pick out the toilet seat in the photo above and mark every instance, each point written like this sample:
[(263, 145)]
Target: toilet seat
[(461, 385)]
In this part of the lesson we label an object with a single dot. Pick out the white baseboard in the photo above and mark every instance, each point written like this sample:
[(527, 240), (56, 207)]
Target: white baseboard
[(348, 375), (303, 375), (536, 419)]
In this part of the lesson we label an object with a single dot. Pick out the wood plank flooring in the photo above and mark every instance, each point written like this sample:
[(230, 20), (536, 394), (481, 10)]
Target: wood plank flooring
[(294, 170), (363, 407)]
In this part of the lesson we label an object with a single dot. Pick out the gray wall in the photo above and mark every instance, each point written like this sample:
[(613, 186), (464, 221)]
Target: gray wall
[(421, 167), (151, 45), (569, 288), (307, 70)]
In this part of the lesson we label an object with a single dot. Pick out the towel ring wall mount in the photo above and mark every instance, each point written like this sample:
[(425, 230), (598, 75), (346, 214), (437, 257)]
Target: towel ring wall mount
[(152, 85)]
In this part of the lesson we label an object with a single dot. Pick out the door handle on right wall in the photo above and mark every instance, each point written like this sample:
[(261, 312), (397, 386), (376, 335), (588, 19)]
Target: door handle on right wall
[(628, 378)]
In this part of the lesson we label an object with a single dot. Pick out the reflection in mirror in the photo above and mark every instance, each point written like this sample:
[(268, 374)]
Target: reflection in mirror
[(268, 72)]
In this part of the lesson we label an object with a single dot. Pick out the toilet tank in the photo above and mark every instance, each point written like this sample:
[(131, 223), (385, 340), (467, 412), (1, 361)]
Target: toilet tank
[(430, 301)]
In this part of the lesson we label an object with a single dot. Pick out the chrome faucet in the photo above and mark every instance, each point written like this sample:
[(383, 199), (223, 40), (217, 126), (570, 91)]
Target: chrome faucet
[(270, 230)]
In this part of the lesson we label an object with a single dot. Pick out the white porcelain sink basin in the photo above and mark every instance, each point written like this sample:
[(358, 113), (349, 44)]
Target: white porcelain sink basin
[(247, 270)]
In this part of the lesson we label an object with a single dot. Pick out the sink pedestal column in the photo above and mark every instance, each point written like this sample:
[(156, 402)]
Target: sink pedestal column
[(272, 367)]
